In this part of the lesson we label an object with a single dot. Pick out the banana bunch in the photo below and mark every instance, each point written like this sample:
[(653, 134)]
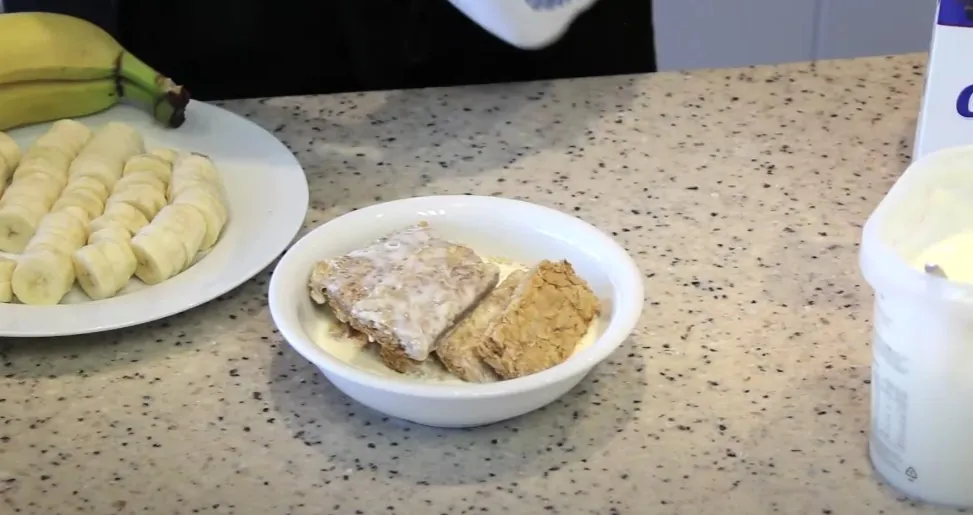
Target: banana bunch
[(55, 66)]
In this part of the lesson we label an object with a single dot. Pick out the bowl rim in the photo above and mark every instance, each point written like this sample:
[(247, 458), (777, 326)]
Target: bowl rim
[(621, 270)]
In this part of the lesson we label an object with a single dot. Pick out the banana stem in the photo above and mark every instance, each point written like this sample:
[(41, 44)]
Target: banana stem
[(130, 68), (167, 106)]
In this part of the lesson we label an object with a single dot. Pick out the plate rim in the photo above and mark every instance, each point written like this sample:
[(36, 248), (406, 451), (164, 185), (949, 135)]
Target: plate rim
[(295, 198)]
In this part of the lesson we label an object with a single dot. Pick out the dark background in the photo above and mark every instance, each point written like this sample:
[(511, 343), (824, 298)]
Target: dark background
[(253, 48)]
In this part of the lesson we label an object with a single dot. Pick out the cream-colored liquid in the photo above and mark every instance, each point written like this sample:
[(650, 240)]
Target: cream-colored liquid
[(327, 334)]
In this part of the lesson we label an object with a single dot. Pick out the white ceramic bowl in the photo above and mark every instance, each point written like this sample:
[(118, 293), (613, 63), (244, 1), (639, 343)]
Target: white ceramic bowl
[(492, 226)]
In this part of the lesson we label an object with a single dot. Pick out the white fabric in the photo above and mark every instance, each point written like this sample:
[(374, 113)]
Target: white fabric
[(524, 23)]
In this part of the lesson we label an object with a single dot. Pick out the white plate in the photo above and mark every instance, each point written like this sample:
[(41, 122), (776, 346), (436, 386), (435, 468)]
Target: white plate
[(267, 197)]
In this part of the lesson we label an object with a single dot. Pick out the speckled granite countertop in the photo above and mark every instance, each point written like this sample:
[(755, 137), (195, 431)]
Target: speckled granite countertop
[(741, 194)]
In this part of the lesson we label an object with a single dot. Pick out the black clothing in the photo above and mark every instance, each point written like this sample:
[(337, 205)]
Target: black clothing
[(251, 48)]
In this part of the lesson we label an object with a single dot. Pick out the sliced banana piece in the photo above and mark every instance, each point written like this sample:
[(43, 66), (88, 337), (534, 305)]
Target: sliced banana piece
[(69, 135), (120, 253), (114, 142), (140, 178), (194, 171), (156, 165), (51, 150), (187, 224), (120, 215), (62, 232), (80, 214), (101, 168), (211, 207), (31, 169), (103, 158), (9, 150), (110, 232), (42, 277), (159, 255), (5, 173), (87, 183), (53, 157), (126, 132), (68, 225), (179, 186), (17, 225), (39, 187), (84, 199), (50, 242), (180, 258), (103, 268), (146, 199), (6, 273), (198, 166), (167, 154), (32, 204), (94, 273), (9, 158)]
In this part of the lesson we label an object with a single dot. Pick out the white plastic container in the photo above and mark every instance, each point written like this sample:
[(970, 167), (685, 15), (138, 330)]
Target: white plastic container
[(527, 24), (921, 438)]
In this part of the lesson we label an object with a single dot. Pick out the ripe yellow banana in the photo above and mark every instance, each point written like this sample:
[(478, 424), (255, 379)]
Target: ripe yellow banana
[(45, 47), (41, 101), (35, 102)]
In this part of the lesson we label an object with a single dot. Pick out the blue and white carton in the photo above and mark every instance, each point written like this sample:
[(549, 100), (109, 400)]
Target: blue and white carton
[(946, 116)]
